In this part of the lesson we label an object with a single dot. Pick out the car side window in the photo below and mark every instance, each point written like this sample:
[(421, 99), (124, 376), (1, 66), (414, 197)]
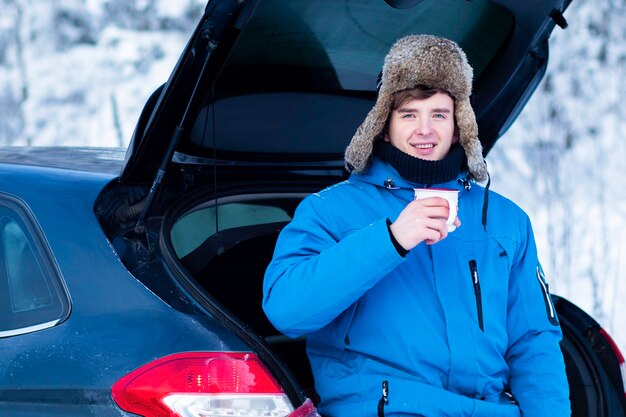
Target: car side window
[(32, 296), (195, 227)]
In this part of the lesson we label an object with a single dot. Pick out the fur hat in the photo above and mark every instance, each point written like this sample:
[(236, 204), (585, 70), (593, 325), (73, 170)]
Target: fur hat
[(433, 62)]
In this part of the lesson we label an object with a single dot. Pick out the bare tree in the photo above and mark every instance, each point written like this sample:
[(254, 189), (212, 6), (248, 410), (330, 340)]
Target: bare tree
[(15, 92)]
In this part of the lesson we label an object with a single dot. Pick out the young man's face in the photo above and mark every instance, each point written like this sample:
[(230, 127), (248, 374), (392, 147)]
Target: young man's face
[(423, 128)]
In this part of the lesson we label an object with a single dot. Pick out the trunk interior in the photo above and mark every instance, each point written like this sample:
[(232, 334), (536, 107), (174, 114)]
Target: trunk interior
[(244, 264), (227, 249)]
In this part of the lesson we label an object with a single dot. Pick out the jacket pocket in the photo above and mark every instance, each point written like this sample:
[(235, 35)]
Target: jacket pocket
[(477, 294), (547, 299), (346, 322)]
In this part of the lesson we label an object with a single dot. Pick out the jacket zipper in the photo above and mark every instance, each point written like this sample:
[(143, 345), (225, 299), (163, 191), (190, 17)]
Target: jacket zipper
[(384, 399), (550, 311), (479, 302)]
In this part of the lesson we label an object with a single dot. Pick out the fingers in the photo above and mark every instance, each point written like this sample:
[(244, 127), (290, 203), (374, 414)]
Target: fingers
[(433, 224), (436, 232), (421, 221), (433, 207), (431, 202), (437, 203), (434, 213), (457, 221)]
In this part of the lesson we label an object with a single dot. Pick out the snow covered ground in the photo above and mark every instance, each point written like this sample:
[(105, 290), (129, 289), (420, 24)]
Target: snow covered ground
[(77, 72)]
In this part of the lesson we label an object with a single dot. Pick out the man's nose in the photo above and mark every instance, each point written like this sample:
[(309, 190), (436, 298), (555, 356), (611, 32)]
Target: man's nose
[(423, 127)]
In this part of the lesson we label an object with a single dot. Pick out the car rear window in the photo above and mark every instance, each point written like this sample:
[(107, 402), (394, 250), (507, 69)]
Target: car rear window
[(306, 45), (298, 65)]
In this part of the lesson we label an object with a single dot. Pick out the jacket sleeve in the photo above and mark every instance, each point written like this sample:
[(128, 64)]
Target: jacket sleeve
[(537, 370), (318, 271)]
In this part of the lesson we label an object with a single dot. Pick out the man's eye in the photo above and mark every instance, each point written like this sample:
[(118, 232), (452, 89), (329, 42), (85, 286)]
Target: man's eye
[(408, 116), (439, 116)]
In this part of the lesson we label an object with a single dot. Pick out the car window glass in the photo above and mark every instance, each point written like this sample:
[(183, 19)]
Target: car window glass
[(300, 45), (310, 123), (32, 295), (27, 284), (296, 66), (195, 227)]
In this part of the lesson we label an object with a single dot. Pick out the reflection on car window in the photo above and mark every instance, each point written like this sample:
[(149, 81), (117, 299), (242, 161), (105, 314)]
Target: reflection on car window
[(300, 63), (195, 227), (27, 285), (32, 296), (295, 45)]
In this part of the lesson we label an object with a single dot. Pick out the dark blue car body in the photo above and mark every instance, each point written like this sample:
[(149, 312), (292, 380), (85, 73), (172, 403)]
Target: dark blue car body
[(113, 322)]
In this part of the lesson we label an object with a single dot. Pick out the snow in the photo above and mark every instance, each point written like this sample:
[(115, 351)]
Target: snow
[(563, 158), (83, 72), (86, 67)]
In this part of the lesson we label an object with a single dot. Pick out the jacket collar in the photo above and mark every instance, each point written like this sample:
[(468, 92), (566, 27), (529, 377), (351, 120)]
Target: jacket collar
[(381, 173)]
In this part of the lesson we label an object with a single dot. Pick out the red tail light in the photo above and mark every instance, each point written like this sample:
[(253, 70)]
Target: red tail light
[(199, 384), (618, 355)]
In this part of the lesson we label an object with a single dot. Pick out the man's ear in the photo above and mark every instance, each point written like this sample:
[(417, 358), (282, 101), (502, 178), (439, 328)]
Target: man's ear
[(455, 135), (385, 133)]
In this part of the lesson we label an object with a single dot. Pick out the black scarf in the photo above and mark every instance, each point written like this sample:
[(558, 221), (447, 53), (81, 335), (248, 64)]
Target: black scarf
[(422, 171)]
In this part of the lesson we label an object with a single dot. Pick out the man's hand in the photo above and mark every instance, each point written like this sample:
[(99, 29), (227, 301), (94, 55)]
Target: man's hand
[(422, 221)]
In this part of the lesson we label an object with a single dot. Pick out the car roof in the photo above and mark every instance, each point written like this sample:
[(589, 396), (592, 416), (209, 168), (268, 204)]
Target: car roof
[(290, 81), (88, 159)]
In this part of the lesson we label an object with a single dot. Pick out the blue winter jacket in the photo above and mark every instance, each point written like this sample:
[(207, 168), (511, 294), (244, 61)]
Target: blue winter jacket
[(447, 328)]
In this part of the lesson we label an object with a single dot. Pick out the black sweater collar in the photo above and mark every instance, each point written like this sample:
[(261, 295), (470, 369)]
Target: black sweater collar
[(421, 171)]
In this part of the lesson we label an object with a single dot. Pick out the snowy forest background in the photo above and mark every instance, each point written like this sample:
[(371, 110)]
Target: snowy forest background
[(77, 72)]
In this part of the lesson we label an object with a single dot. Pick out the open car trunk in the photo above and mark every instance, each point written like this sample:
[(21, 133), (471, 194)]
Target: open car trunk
[(226, 247)]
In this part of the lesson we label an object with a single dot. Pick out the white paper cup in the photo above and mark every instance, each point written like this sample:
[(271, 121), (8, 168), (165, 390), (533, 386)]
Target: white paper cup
[(449, 194)]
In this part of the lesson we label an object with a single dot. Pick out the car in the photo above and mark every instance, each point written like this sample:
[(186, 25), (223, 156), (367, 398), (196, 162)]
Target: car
[(131, 279)]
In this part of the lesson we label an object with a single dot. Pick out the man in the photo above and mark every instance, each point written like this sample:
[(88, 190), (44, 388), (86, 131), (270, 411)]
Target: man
[(401, 317)]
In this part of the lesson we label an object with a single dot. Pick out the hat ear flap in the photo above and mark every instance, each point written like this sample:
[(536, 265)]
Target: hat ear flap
[(361, 147), (468, 137)]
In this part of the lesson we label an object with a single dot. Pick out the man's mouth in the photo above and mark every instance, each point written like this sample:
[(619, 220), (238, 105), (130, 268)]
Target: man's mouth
[(423, 145)]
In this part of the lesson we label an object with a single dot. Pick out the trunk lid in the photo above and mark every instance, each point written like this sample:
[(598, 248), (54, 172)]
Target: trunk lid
[(275, 82)]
